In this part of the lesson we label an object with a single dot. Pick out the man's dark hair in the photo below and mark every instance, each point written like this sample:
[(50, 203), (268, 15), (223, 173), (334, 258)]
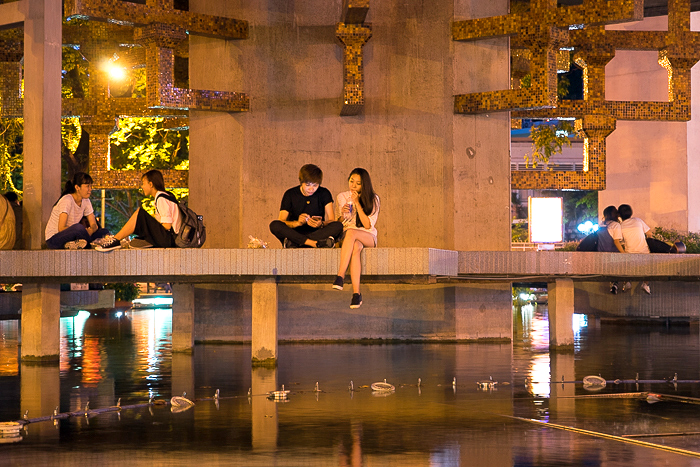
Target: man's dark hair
[(625, 211), (310, 173)]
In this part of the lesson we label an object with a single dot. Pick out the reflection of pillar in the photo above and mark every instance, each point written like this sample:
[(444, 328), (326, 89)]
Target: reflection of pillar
[(264, 325), (40, 394), (42, 115), (561, 313), (265, 427), (561, 364), (183, 317), (41, 312), (183, 375)]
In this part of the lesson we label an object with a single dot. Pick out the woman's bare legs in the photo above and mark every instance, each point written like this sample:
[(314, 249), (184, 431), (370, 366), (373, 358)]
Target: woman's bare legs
[(128, 228), (353, 243)]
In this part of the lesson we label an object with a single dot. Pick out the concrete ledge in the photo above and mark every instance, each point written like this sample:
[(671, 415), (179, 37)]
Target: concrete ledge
[(541, 265), (215, 265)]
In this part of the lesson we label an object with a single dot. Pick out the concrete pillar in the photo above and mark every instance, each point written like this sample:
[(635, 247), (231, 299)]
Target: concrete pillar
[(484, 311), (183, 317), (42, 115), (480, 143), (264, 327), (264, 412), (41, 312), (216, 138), (561, 312), (40, 394)]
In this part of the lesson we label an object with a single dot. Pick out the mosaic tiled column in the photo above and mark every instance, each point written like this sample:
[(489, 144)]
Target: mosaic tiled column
[(593, 62), (98, 162), (10, 89), (353, 37), (355, 11)]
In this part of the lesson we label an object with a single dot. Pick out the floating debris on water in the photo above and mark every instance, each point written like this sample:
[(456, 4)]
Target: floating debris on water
[(280, 395), (180, 403), (594, 383), (383, 387), (487, 384)]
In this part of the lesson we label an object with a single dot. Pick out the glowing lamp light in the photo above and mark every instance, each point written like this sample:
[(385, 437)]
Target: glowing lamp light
[(546, 219), (115, 72), (587, 227)]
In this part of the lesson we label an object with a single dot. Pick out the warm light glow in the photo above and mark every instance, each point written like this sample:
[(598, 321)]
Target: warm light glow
[(153, 301), (114, 71), (546, 220)]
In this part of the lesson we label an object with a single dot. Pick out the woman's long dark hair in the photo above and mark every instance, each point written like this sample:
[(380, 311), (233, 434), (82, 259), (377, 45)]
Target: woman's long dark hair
[(80, 178), (368, 198), (156, 177)]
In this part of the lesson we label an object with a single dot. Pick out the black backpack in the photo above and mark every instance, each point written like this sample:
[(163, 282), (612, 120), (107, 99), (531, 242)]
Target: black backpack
[(192, 233)]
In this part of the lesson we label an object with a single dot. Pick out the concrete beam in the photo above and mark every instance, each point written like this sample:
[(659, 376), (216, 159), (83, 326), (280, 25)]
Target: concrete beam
[(41, 312), (11, 15), (183, 317), (561, 312), (264, 318)]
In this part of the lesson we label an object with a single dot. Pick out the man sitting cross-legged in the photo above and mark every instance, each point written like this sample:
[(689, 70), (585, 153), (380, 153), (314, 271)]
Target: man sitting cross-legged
[(306, 214)]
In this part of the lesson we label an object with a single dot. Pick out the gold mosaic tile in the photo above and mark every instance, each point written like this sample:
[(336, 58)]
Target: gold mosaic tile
[(134, 35), (353, 37), (679, 50)]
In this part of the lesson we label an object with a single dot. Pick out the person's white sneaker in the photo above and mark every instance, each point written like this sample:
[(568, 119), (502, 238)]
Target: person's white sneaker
[(646, 288)]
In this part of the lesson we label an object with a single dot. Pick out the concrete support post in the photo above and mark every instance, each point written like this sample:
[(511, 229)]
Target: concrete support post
[(561, 312), (41, 312), (484, 311), (264, 322), (42, 115), (183, 317)]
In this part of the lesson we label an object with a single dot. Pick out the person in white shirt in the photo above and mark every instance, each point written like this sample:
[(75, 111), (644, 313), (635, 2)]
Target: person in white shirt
[(66, 228), (158, 231), (359, 210), (634, 232)]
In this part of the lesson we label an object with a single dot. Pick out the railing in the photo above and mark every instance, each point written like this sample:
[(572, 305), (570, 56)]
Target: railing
[(540, 167)]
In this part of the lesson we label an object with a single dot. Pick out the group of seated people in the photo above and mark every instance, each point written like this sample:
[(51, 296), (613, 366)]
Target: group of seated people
[(306, 220)]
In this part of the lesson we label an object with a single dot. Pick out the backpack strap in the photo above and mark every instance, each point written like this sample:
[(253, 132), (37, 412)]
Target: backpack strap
[(167, 195)]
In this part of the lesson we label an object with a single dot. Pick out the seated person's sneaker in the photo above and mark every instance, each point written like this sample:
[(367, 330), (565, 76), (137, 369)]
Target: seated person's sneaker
[(289, 244), (110, 243), (613, 288), (75, 244), (338, 283), (325, 243), (139, 244), (646, 288), (356, 301)]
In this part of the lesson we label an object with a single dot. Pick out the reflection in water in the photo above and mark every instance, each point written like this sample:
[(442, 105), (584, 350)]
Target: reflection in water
[(106, 357)]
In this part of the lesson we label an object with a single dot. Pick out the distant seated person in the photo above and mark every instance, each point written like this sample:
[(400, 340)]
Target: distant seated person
[(306, 214), (66, 228), (610, 232), (7, 225), (152, 231)]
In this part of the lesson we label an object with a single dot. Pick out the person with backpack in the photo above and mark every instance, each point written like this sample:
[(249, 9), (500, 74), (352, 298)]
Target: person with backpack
[(158, 231), (72, 224)]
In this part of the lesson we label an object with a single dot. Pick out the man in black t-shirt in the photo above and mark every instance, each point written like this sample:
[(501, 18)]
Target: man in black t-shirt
[(306, 214)]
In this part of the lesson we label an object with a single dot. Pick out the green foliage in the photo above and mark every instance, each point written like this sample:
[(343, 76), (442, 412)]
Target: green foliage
[(563, 84), (11, 158), (691, 239), (74, 76), (519, 233), (548, 140), (145, 143), (526, 81), (568, 246), (123, 291), (580, 206)]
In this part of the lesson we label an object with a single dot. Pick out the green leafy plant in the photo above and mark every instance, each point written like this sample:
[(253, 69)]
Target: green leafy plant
[(548, 140), (123, 291), (690, 239), (519, 233)]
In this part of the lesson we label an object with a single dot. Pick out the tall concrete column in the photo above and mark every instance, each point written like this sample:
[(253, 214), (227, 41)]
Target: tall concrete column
[(561, 313), (216, 138), (41, 312), (264, 326), (483, 311), (42, 115), (183, 317)]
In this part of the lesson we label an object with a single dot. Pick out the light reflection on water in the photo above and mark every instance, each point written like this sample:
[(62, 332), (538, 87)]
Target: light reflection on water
[(104, 358)]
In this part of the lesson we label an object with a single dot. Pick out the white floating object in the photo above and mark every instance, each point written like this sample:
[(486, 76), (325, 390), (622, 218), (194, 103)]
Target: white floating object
[(281, 395), (653, 398), (180, 404), (593, 383), (487, 383), (9, 429), (383, 387)]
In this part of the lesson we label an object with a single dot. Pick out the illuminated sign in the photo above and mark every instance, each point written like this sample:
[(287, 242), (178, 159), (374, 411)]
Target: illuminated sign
[(545, 220)]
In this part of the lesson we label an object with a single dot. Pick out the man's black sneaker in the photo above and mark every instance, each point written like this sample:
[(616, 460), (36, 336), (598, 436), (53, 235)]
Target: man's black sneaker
[(613, 288), (338, 283), (356, 301), (325, 243), (109, 246)]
